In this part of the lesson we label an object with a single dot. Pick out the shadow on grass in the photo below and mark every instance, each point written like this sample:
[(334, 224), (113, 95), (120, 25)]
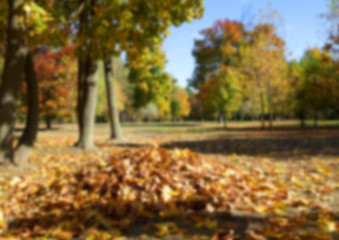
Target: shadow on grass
[(159, 125), (276, 128), (40, 129), (279, 143)]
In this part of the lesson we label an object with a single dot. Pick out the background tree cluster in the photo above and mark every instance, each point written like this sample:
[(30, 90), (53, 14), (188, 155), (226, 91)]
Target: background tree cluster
[(242, 72)]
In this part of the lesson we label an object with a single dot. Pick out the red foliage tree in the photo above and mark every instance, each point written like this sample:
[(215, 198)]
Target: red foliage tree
[(56, 75)]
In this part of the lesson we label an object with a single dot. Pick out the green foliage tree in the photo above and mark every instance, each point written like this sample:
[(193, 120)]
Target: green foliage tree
[(319, 88), (295, 99), (175, 109), (151, 83), (180, 105), (221, 93)]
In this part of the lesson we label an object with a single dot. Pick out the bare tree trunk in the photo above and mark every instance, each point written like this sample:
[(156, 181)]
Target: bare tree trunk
[(89, 104), (28, 138), (81, 95), (88, 80), (242, 115), (270, 105), (81, 69), (270, 112), (315, 119), (16, 52), (335, 109), (225, 119), (113, 110), (48, 122), (302, 118), (262, 108)]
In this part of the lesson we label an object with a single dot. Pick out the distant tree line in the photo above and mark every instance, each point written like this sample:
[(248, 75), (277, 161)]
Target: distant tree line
[(241, 72)]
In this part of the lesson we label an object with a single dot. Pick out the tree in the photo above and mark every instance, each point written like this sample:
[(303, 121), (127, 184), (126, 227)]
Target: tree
[(180, 105), (56, 76), (149, 112), (320, 87), (22, 37), (121, 88), (219, 46), (110, 27), (255, 55), (112, 101), (196, 106), (15, 58), (333, 46), (175, 109), (28, 138), (296, 100), (221, 93), (265, 67), (151, 83)]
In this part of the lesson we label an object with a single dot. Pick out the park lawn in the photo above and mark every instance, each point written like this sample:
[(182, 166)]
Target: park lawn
[(284, 183)]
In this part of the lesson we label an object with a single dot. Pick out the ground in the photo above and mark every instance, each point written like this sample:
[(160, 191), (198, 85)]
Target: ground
[(282, 183)]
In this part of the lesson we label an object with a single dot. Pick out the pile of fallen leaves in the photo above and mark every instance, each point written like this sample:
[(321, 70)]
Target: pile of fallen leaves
[(141, 184)]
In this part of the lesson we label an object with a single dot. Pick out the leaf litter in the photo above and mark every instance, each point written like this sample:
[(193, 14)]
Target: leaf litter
[(109, 191)]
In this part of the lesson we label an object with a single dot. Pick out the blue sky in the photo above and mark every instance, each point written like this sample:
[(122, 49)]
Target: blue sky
[(302, 28)]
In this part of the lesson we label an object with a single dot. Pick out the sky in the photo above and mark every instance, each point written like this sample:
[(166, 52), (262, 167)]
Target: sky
[(302, 28)]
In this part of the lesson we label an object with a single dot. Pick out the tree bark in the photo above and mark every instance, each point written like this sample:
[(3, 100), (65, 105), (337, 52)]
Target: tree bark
[(48, 122), (315, 119), (87, 79), (15, 57), (113, 110), (262, 108), (81, 69), (225, 119), (302, 118), (81, 95), (89, 103), (220, 117), (269, 100), (335, 109), (270, 114), (28, 138)]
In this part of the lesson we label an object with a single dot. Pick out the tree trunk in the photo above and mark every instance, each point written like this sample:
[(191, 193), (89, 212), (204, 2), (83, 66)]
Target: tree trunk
[(16, 52), (27, 140), (48, 122), (315, 119), (220, 117), (262, 108), (335, 109), (270, 105), (81, 94), (113, 110), (87, 80), (89, 103), (81, 68), (270, 113), (225, 119), (302, 118), (242, 116)]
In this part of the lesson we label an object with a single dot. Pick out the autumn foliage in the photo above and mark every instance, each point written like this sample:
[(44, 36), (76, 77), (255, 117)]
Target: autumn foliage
[(113, 188), (56, 76)]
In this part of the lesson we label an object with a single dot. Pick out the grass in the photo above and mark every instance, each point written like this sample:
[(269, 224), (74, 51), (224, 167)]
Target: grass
[(204, 127)]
